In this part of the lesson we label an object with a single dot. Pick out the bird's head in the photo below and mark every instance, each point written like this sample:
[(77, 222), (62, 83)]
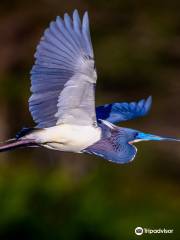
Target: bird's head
[(136, 136)]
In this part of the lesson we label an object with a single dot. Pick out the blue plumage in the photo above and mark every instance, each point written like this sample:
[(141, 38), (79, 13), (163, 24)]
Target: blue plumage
[(64, 57), (113, 145), (118, 112), (62, 103)]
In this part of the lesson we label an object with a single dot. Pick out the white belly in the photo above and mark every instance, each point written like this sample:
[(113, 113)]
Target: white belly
[(66, 137)]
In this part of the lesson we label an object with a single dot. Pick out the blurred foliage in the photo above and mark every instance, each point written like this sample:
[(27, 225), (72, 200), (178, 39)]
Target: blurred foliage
[(50, 195)]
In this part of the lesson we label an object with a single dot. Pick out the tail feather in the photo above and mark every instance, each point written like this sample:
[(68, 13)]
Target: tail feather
[(16, 143)]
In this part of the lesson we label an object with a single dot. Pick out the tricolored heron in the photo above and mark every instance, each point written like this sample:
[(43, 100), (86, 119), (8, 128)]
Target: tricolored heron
[(62, 103)]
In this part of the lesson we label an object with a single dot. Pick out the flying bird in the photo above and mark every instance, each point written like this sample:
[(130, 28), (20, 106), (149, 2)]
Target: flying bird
[(62, 103)]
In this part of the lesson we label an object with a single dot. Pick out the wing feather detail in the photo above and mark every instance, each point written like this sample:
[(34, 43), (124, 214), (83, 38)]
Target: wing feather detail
[(63, 76), (118, 112)]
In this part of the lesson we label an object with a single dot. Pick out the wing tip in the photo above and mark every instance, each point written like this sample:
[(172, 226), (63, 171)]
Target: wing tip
[(145, 108), (76, 12), (86, 14), (85, 21), (148, 103), (149, 98)]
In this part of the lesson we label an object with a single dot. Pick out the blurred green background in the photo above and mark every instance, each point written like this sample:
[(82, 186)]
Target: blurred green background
[(52, 195)]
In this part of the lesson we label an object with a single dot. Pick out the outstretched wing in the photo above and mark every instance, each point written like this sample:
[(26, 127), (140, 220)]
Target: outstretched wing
[(118, 112), (63, 77)]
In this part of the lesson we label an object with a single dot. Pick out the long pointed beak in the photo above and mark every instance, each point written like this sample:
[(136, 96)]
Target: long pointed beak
[(151, 137)]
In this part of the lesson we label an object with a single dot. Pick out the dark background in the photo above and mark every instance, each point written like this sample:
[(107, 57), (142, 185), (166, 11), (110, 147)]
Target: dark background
[(54, 195)]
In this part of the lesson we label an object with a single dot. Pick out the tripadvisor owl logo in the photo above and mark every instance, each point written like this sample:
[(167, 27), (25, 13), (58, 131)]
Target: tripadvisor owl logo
[(139, 231)]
